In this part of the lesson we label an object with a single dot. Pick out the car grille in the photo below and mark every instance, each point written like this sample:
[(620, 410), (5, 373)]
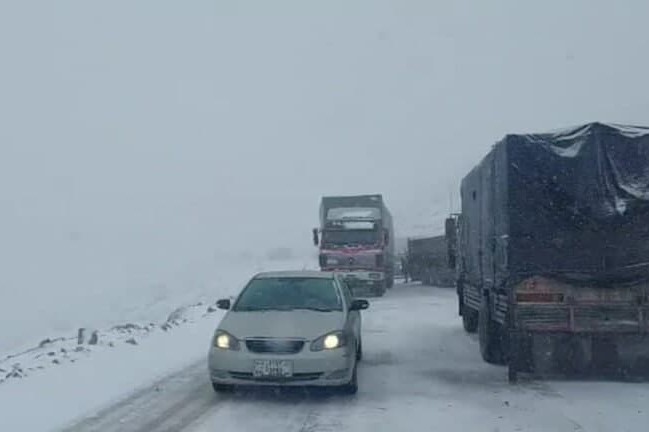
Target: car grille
[(275, 346)]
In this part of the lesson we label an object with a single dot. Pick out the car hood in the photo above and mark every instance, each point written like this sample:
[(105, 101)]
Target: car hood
[(294, 324)]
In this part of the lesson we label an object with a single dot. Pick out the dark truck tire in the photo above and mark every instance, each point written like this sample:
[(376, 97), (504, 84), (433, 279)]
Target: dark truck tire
[(490, 336), (469, 319), (222, 388), (512, 373), (427, 279)]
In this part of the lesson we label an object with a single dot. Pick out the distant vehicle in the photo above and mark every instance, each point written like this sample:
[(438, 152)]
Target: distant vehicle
[(356, 236), (553, 241), (427, 261), (289, 329)]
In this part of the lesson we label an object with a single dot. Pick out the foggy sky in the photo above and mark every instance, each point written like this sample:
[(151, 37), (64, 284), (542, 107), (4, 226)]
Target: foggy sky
[(141, 136)]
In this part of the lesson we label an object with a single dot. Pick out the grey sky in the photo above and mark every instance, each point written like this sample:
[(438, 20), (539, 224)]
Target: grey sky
[(158, 132)]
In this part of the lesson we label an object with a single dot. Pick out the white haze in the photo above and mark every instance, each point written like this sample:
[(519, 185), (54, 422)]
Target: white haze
[(143, 142)]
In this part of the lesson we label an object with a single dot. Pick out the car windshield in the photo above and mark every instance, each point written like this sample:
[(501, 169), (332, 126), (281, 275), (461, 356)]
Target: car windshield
[(287, 294), (340, 238)]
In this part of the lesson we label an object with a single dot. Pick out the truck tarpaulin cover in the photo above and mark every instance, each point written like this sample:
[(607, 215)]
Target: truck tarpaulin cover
[(572, 204)]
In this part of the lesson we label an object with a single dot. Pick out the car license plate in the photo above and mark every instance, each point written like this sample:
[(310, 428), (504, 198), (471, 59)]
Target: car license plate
[(273, 369)]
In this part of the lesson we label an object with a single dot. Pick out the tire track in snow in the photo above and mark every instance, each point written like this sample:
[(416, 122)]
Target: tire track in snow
[(315, 423), (171, 404)]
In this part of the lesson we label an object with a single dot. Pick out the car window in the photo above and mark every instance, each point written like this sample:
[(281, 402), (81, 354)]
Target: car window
[(288, 294)]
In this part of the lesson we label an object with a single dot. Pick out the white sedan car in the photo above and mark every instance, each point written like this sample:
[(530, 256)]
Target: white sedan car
[(291, 329)]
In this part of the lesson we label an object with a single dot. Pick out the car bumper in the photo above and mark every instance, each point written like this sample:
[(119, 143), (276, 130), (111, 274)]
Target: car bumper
[(324, 368)]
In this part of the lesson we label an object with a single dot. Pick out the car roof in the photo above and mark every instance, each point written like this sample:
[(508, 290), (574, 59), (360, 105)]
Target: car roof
[(295, 274)]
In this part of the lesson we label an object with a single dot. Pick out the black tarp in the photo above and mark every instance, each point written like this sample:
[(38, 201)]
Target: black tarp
[(572, 204)]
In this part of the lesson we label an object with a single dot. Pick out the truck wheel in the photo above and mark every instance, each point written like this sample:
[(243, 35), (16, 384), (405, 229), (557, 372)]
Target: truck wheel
[(490, 336), (469, 319), (512, 374), (222, 388)]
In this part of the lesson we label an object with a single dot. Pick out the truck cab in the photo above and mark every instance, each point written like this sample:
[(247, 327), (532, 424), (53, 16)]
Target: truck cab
[(355, 238)]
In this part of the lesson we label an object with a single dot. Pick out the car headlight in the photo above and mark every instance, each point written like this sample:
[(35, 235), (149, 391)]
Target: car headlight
[(329, 341), (224, 340)]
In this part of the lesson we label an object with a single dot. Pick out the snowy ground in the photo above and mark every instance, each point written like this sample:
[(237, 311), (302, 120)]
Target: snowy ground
[(420, 372), (119, 339)]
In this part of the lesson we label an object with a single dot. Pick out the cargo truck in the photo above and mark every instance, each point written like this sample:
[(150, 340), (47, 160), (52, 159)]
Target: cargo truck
[(426, 261), (356, 237), (553, 242)]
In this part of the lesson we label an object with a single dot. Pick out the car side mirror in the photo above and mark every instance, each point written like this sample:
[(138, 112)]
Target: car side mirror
[(223, 304), (359, 304), (316, 240)]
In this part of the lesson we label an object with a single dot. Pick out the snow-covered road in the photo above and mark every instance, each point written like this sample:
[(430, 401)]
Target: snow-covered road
[(420, 372)]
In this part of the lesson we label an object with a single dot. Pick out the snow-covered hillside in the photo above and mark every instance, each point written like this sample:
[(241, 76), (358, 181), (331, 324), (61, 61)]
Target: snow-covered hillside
[(95, 295)]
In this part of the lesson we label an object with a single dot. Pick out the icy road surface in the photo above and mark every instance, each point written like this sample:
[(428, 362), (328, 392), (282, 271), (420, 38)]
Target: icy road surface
[(420, 372)]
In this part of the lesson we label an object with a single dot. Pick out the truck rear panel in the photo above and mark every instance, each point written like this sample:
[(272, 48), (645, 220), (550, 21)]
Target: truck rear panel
[(544, 305)]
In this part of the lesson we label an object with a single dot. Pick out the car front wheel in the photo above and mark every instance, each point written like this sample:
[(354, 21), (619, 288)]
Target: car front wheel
[(359, 350), (351, 388)]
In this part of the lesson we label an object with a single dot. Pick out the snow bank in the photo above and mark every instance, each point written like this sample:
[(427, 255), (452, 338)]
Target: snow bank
[(85, 381), (64, 350), (94, 299)]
